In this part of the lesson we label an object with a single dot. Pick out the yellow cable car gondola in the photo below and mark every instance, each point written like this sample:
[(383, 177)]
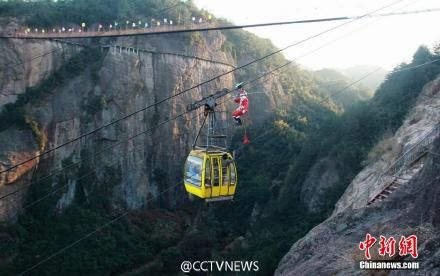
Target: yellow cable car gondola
[(210, 171), (210, 175)]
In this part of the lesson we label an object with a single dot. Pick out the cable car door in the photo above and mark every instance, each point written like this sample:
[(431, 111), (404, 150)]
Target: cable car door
[(226, 178), (216, 177), (208, 178), (233, 179)]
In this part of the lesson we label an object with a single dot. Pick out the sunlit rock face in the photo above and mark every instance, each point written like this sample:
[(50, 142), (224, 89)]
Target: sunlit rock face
[(17, 73)]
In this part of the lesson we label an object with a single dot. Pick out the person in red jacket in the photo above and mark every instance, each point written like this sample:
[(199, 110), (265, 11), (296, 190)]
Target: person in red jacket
[(243, 104)]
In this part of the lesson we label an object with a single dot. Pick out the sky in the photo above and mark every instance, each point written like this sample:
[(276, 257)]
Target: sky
[(379, 41)]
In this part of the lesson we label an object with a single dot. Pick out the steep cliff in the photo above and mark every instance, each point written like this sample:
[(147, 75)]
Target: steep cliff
[(410, 159), (110, 84), (24, 65)]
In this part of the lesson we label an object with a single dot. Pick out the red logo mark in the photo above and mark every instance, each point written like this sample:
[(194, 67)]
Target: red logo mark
[(367, 244), (408, 246), (387, 246)]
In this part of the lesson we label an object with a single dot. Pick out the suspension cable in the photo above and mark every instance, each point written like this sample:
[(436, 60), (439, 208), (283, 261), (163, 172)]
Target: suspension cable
[(29, 60), (261, 76), (193, 87), (145, 32)]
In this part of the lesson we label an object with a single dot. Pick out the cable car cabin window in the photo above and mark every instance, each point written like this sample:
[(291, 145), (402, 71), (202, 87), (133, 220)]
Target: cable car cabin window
[(233, 176), (208, 172), (216, 171), (225, 173), (193, 170)]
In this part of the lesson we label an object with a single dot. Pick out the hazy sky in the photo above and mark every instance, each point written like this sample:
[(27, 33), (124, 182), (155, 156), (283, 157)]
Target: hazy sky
[(383, 41)]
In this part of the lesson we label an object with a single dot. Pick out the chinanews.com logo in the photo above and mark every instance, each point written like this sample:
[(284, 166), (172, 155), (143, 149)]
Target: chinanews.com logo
[(407, 246), (219, 266)]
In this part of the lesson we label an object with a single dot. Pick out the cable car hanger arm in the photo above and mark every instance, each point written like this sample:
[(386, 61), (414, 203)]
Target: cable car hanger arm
[(208, 101)]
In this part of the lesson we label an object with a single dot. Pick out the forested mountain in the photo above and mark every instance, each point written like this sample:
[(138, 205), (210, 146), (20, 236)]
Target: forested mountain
[(393, 185), (372, 81), (307, 143), (342, 89)]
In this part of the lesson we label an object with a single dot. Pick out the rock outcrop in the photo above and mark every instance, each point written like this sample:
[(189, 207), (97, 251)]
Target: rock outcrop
[(26, 63), (322, 176)]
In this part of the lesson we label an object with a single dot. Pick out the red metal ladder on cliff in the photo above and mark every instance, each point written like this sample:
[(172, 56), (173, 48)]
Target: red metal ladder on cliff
[(404, 163), (394, 185)]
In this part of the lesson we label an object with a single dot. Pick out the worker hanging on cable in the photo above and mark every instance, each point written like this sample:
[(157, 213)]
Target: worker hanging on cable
[(243, 104)]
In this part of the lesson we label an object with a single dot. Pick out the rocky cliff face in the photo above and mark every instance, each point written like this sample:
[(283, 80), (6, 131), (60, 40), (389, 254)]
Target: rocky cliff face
[(136, 170), (17, 73), (331, 248), (322, 176)]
